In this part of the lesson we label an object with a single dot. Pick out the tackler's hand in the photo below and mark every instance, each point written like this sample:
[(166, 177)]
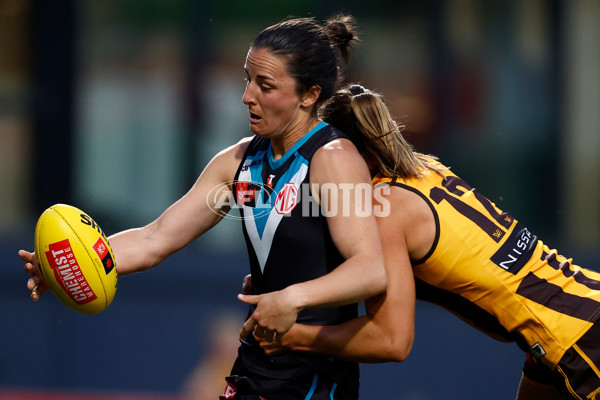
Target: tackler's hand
[(275, 347)]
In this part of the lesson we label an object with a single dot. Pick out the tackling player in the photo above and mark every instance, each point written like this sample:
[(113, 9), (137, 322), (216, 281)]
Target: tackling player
[(467, 256)]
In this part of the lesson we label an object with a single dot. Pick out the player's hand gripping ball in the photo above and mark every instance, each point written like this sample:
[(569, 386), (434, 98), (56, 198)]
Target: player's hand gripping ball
[(76, 259)]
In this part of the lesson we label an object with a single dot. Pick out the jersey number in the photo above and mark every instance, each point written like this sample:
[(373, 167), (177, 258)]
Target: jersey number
[(455, 188)]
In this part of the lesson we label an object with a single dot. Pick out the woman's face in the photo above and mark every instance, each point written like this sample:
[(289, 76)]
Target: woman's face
[(270, 95)]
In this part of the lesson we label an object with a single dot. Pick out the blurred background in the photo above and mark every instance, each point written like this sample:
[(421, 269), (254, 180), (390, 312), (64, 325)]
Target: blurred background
[(116, 106)]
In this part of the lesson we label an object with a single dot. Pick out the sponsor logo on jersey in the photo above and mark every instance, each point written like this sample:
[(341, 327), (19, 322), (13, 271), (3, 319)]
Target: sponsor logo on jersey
[(67, 272), (102, 250), (516, 251), (221, 200), (249, 163), (248, 193), (287, 198), (270, 181), (537, 350)]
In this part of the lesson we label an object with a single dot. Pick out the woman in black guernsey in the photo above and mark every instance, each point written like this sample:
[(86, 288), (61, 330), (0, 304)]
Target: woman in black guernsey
[(288, 242), (307, 267)]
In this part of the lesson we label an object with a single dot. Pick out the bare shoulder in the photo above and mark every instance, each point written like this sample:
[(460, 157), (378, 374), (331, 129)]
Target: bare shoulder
[(339, 159), (408, 215), (406, 196), (339, 148), (404, 204)]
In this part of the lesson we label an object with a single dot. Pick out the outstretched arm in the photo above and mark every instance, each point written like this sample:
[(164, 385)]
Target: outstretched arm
[(192, 215), (185, 220)]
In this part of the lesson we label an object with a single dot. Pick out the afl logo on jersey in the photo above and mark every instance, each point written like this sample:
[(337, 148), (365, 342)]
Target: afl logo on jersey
[(287, 198)]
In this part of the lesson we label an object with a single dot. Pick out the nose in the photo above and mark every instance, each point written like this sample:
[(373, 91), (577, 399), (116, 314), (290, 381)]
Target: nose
[(248, 97)]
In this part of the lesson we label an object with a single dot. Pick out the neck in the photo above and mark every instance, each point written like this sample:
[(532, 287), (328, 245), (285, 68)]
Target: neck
[(280, 145)]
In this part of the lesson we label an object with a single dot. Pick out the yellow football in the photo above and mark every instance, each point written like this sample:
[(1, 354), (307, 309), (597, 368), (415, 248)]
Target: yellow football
[(76, 259)]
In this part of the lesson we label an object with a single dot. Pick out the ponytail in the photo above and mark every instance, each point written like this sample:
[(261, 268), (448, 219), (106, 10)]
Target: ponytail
[(364, 117)]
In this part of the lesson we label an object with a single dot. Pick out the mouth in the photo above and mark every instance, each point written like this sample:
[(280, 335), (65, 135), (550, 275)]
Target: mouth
[(254, 118)]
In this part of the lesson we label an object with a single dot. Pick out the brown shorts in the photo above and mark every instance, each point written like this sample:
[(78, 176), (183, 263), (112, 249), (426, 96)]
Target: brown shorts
[(577, 375)]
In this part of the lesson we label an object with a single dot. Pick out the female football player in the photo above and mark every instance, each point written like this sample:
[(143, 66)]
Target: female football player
[(466, 255), (304, 261)]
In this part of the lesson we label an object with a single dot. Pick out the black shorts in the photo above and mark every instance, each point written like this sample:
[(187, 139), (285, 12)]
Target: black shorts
[(242, 384), (577, 375)]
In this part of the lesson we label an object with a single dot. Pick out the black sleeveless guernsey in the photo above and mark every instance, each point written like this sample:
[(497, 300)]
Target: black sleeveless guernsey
[(288, 242)]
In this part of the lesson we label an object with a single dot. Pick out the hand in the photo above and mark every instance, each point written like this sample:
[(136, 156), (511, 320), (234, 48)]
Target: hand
[(273, 348), (274, 315), (37, 284)]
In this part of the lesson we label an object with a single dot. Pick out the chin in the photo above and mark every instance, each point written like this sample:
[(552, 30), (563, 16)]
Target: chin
[(254, 129), (259, 132)]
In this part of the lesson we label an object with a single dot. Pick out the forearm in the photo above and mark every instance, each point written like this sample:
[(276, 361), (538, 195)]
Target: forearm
[(359, 277), (384, 334), (358, 340), (353, 281), (133, 250), (187, 219)]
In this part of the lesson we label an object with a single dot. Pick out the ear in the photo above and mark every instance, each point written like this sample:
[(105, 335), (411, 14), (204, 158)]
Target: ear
[(311, 96)]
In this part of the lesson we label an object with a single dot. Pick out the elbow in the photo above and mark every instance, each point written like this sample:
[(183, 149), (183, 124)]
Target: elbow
[(387, 354), (400, 353), (397, 351), (398, 347)]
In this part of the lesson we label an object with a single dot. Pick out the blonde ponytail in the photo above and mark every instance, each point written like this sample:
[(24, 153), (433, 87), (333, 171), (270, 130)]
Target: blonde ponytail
[(363, 115)]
